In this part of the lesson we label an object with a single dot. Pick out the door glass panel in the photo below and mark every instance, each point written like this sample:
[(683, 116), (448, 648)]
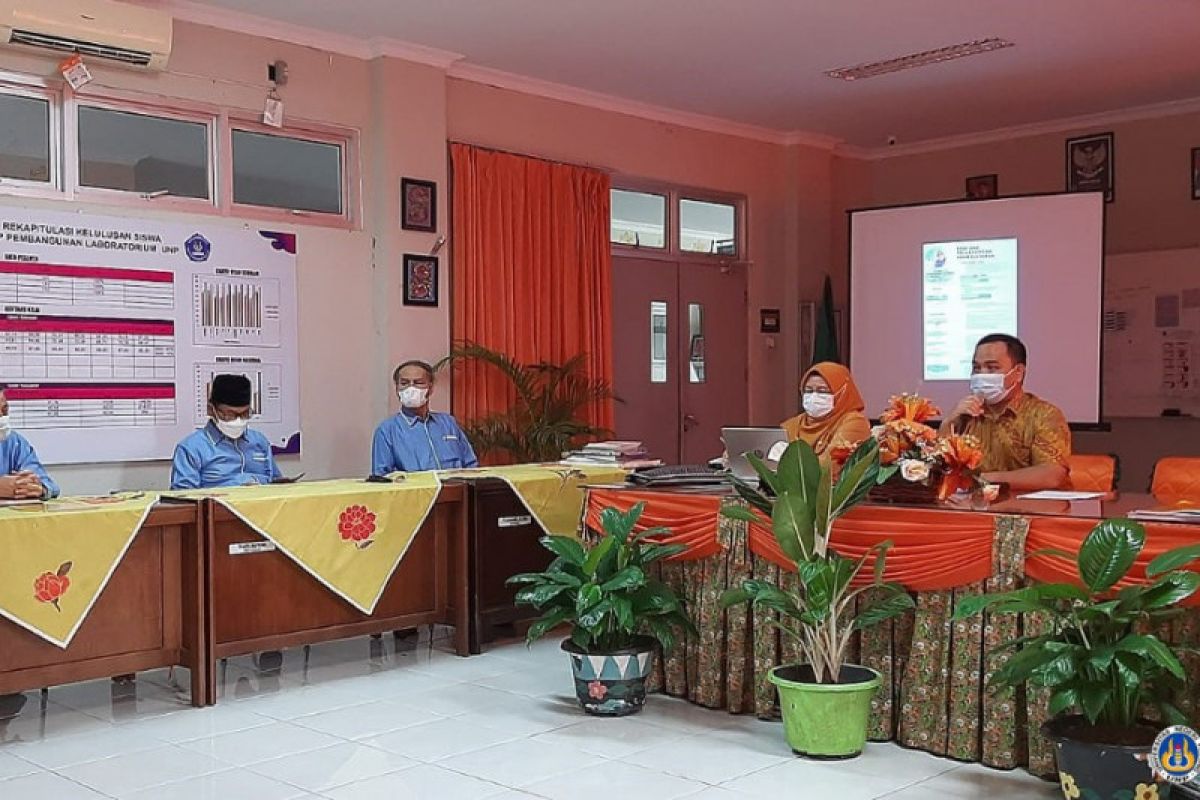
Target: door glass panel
[(696, 338), (706, 227), (658, 341)]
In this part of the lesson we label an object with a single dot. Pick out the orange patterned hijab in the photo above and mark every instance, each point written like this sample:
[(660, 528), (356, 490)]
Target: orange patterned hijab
[(846, 400)]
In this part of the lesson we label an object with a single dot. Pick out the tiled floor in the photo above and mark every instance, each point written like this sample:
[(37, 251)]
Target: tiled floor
[(359, 720)]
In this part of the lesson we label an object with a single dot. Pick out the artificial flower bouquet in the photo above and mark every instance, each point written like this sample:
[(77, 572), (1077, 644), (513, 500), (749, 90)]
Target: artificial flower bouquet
[(918, 464)]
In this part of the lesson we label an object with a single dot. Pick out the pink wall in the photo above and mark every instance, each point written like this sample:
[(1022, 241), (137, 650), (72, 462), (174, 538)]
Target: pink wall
[(1153, 209), (787, 191)]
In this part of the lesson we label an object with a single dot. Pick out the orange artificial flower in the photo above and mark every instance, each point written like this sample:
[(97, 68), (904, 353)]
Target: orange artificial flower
[(960, 457), (910, 407), (841, 451)]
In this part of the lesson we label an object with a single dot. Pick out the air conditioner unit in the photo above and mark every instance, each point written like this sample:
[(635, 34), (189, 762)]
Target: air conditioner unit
[(132, 35)]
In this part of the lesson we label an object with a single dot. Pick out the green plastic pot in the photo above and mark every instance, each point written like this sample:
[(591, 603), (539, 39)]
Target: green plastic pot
[(825, 720)]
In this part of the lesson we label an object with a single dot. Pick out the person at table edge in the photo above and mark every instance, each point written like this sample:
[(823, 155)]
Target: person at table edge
[(24, 477), (417, 439), (833, 410), (1026, 441), (226, 451)]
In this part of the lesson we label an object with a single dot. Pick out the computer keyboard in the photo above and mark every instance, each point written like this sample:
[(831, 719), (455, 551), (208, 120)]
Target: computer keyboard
[(679, 475)]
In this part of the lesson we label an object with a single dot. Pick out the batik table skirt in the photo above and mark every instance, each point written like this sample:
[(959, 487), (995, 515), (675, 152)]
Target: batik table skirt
[(935, 670)]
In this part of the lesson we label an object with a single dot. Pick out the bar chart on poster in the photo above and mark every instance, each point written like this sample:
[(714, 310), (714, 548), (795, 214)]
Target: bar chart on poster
[(111, 330)]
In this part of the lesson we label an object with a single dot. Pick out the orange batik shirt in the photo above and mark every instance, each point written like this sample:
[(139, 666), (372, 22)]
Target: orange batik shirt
[(1027, 433)]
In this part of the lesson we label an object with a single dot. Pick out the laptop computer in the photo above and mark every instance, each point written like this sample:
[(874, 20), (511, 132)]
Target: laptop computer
[(739, 441)]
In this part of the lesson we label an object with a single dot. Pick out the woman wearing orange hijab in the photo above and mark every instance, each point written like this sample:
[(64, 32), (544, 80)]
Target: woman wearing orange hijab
[(833, 409)]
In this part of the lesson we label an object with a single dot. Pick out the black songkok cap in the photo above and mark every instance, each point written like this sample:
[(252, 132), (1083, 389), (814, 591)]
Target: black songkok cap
[(230, 390)]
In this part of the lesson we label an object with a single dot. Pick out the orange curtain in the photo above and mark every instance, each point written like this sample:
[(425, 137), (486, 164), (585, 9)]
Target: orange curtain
[(531, 270), (690, 519), (930, 549), (1068, 534)]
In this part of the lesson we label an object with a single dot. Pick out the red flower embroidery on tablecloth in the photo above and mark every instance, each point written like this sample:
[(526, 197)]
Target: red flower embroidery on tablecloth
[(357, 524), (50, 586)]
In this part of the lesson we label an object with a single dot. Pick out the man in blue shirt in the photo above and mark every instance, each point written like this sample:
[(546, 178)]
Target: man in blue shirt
[(417, 439), (225, 452), (24, 477)]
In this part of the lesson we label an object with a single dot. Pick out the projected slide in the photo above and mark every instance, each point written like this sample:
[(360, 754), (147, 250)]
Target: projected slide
[(969, 290)]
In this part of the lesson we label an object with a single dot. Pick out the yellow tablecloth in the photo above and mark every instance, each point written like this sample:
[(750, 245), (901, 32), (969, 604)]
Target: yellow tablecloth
[(58, 557), (553, 493), (347, 534)]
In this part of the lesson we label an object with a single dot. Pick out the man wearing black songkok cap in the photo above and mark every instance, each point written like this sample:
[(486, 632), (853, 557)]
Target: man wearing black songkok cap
[(225, 452)]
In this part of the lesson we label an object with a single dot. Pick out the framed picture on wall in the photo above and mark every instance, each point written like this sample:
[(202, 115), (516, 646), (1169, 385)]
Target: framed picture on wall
[(1195, 164), (420, 280), (418, 205), (982, 187), (1091, 165)]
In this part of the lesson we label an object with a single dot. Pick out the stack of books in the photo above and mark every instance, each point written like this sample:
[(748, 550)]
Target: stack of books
[(628, 455)]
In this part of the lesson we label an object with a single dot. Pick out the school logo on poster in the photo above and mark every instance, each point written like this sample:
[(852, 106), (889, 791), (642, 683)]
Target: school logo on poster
[(197, 248)]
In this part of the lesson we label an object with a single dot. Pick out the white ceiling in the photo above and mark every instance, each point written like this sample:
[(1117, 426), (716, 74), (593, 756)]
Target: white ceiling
[(759, 62)]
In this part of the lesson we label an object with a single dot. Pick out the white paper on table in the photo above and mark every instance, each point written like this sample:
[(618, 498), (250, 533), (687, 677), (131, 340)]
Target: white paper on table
[(1171, 515), (1055, 494)]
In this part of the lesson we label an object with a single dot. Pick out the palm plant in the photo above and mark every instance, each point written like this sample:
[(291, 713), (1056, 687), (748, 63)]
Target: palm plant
[(546, 418)]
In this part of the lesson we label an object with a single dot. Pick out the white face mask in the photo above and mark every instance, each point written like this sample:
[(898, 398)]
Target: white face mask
[(412, 396), (817, 404), (234, 428), (5, 427), (989, 386)]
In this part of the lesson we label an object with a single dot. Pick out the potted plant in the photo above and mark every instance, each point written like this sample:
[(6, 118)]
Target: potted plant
[(825, 702), (546, 418), (1097, 660), (618, 612)]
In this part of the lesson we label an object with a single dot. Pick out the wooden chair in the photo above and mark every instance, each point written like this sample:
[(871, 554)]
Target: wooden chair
[(1176, 478), (1093, 472)]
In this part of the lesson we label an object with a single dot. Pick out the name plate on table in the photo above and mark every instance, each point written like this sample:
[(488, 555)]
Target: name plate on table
[(249, 548), (514, 522)]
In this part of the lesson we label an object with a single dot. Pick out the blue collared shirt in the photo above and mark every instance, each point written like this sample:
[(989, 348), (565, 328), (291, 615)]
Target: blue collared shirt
[(409, 443), (17, 455), (207, 458)]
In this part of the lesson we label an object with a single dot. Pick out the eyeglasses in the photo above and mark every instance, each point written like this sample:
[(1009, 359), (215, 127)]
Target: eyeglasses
[(229, 415)]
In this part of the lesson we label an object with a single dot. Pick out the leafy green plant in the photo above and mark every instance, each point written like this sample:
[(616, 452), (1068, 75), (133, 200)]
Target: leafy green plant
[(606, 593), (1095, 655), (545, 420), (802, 501)]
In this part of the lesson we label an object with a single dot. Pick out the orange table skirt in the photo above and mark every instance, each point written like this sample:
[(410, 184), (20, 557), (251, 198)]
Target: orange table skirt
[(932, 548), (934, 695)]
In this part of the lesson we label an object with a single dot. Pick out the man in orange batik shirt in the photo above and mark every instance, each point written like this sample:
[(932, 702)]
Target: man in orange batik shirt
[(1025, 440)]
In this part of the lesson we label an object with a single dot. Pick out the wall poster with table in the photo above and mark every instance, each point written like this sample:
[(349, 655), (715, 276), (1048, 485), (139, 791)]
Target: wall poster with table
[(113, 327)]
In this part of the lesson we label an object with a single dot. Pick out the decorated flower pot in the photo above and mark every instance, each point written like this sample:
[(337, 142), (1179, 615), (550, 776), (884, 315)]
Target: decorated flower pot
[(612, 684), (825, 720), (1091, 770)]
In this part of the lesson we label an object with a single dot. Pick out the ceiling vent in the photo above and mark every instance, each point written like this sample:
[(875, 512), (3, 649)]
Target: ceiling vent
[(922, 59)]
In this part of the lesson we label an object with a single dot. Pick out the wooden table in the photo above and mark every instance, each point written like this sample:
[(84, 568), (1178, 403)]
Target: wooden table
[(504, 540), (150, 615), (265, 601)]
